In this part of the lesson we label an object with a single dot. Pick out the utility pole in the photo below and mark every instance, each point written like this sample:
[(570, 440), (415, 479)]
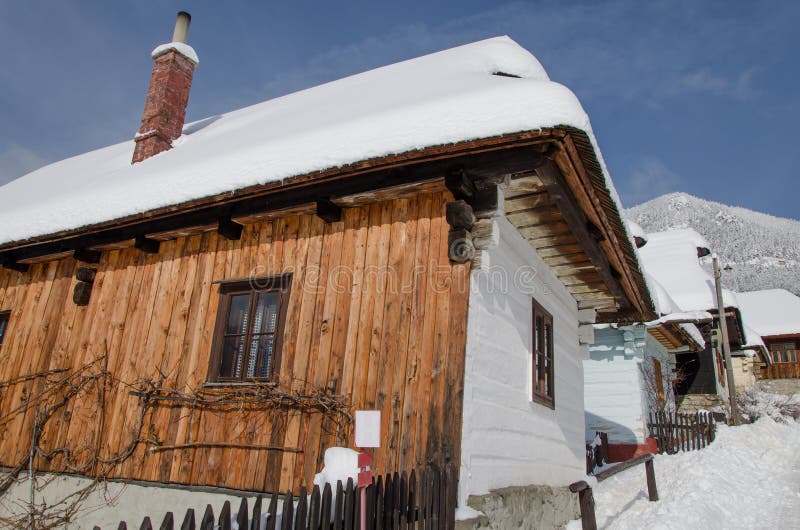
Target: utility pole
[(726, 347)]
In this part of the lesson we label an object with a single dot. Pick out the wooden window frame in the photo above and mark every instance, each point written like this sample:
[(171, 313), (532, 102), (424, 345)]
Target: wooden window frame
[(538, 336), (227, 290), (658, 374), (778, 350), (4, 316)]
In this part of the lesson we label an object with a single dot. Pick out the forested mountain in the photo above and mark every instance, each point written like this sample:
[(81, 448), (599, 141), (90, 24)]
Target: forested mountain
[(763, 250)]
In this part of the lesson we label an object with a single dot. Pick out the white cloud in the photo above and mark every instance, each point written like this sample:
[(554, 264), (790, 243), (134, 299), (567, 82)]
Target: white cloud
[(16, 160), (650, 178)]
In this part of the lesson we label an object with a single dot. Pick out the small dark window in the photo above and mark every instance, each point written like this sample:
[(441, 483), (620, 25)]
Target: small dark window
[(542, 342), (3, 325), (247, 338)]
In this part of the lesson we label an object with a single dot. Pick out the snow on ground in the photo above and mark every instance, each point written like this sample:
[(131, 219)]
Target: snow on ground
[(749, 478)]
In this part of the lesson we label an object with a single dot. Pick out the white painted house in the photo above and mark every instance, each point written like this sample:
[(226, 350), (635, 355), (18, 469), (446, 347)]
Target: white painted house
[(630, 370)]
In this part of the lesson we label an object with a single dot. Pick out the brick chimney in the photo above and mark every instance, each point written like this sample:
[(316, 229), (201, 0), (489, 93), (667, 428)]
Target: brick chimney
[(165, 106)]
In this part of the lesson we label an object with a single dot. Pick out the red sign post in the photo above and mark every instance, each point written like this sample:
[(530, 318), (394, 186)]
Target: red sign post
[(367, 435)]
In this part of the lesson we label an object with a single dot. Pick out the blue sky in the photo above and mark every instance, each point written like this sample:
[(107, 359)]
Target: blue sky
[(683, 96)]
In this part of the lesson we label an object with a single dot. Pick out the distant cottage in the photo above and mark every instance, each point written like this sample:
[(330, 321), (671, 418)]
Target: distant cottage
[(433, 239)]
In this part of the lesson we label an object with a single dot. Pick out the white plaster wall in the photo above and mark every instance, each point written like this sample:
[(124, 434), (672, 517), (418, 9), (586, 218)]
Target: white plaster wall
[(113, 502), (654, 350), (507, 439), (613, 396), (617, 398)]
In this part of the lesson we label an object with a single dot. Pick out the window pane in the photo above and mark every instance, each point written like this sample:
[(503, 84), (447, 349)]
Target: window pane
[(3, 325), (794, 356), (265, 319), (239, 314), (539, 334), (784, 356), (232, 354), (261, 351)]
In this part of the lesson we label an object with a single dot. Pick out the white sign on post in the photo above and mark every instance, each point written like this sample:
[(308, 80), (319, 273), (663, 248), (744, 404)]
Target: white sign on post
[(368, 428)]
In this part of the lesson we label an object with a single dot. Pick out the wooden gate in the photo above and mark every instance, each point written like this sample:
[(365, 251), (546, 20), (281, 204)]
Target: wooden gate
[(682, 432)]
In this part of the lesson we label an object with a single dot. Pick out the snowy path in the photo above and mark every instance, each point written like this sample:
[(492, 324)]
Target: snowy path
[(749, 478), (789, 515)]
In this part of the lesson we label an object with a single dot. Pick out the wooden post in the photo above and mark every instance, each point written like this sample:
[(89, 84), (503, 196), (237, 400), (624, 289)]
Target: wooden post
[(652, 490), (586, 502)]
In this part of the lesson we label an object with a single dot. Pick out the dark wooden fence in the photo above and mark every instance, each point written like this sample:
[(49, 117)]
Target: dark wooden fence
[(682, 432), (586, 497), (597, 455), (422, 500), (781, 371)]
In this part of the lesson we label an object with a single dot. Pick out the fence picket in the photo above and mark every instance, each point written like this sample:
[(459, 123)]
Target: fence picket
[(168, 523), (255, 521), (314, 509), (402, 503), (243, 514), (224, 522), (146, 524), (349, 505), (339, 510), (411, 517), (287, 514), (272, 512), (188, 520), (301, 512), (378, 502), (325, 508), (208, 519)]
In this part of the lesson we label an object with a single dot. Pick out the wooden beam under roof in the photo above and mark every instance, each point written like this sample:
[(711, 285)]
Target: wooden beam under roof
[(574, 217)]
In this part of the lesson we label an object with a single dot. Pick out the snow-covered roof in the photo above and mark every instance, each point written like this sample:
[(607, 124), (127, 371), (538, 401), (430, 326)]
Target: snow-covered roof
[(671, 259), (753, 340), (770, 312), (437, 99)]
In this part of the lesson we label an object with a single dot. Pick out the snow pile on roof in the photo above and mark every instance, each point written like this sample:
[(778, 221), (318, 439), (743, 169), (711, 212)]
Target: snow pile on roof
[(635, 229), (752, 340), (671, 259), (445, 97), (770, 312), (180, 47), (746, 479), (664, 304)]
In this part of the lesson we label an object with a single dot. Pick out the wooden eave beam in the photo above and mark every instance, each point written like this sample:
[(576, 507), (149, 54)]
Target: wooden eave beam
[(87, 256), (15, 266), (579, 225), (328, 211), (578, 152), (490, 163), (148, 246), (229, 229)]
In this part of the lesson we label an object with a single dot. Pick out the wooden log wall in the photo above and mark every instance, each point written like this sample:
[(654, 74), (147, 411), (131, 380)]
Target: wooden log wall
[(377, 313)]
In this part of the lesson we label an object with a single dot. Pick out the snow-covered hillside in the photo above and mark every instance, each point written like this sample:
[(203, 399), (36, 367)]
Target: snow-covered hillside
[(763, 250)]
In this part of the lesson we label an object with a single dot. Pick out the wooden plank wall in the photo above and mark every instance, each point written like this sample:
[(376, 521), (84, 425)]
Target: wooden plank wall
[(377, 312)]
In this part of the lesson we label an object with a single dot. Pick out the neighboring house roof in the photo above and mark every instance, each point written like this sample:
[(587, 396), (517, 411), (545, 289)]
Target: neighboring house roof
[(671, 259), (771, 312), (441, 98)]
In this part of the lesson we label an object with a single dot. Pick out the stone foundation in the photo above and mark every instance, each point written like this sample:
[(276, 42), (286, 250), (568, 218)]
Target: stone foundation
[(694, 402), (527, 507)]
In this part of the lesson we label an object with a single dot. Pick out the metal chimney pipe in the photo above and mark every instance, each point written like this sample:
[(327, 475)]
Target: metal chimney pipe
[(181, 31)]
